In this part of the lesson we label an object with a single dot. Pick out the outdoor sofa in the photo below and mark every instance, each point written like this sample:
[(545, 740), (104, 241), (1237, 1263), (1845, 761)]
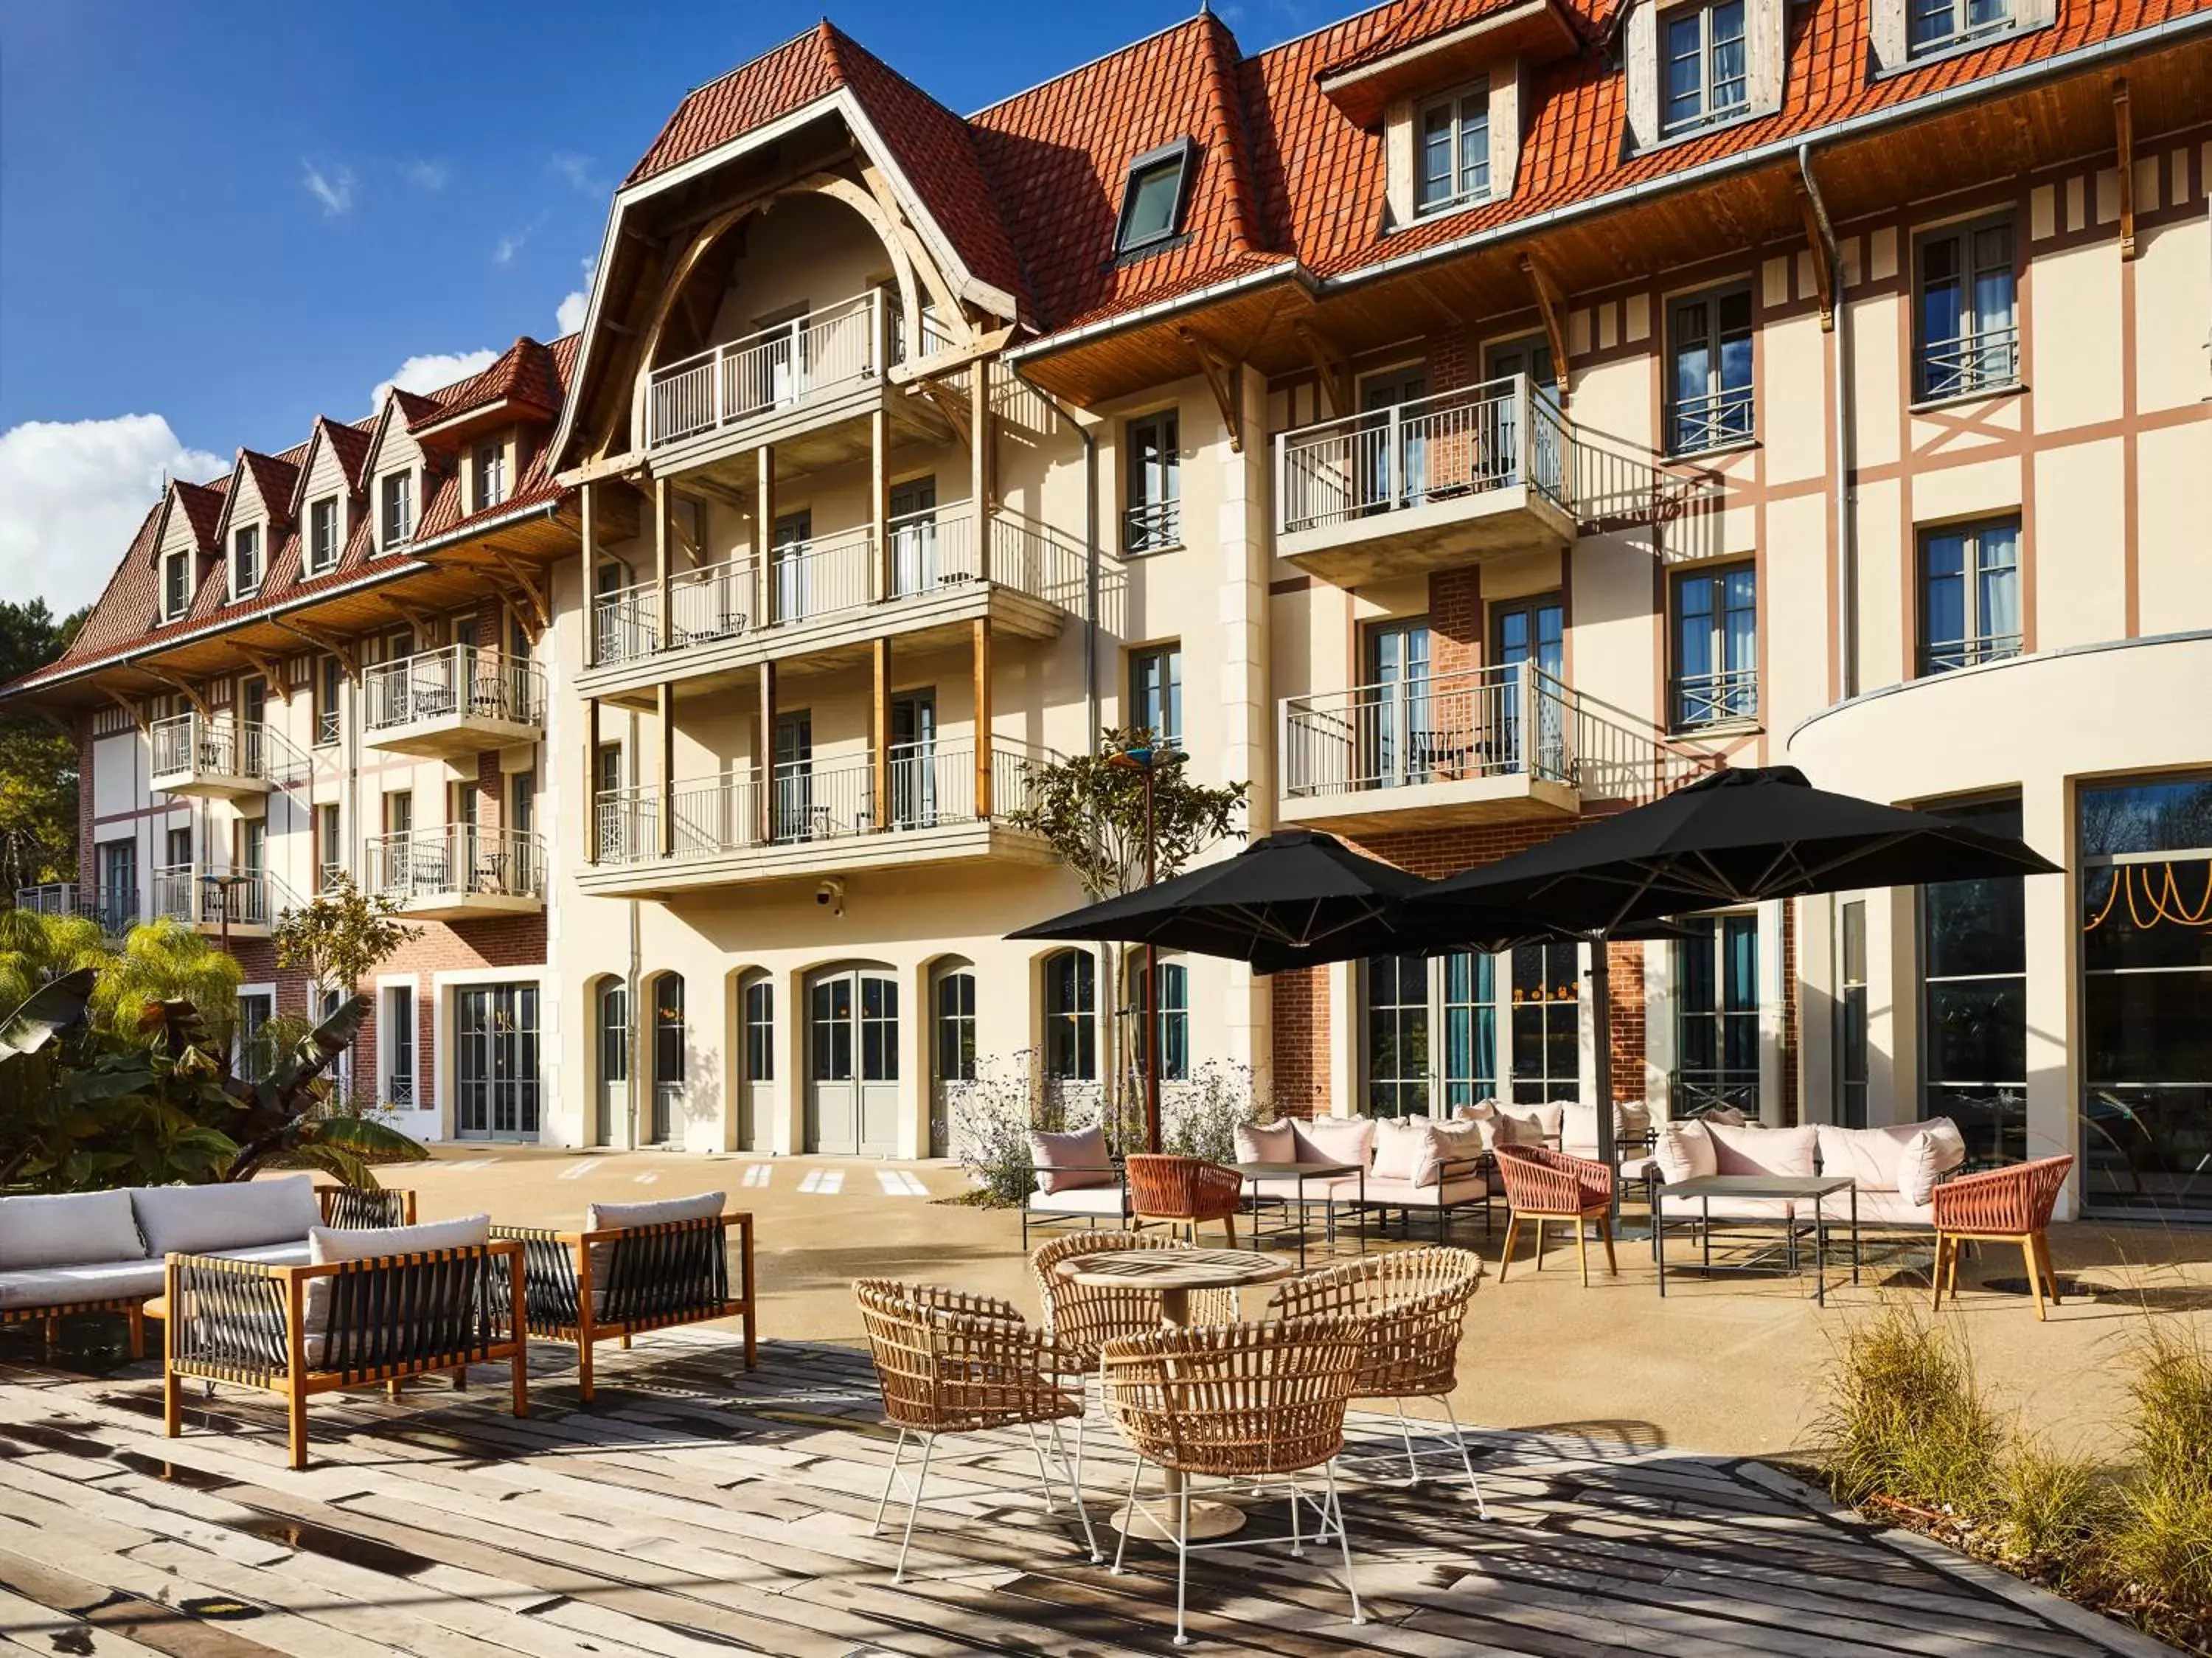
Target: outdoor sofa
[(1413, 1165)]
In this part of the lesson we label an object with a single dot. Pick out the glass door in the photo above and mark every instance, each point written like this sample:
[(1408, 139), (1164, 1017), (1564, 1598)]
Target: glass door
[(1531, 357), (495, 1062), (791, 572), (1394, 709), (1396, 446), (791, 806), (1529, 643), (852, 1061), (914, 760), (913, 537)]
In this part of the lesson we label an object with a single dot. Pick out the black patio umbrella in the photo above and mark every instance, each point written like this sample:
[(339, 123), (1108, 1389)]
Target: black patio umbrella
[(1739, 836)]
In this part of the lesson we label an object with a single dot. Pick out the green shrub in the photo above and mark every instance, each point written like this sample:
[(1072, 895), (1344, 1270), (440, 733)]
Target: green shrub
[(2052, 1511), (2161, 1546), (1904, 1418)]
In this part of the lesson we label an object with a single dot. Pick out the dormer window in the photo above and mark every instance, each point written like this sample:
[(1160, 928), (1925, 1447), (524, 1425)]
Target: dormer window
[(1152, 199), (323, 536), (1937, 25), (176, 585), (397, 510), (1706, 66), (1455, 151), (490, 476), (246, 562)]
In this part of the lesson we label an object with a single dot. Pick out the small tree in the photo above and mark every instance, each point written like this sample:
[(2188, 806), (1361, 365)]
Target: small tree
[(340, 937), (1092, 813)]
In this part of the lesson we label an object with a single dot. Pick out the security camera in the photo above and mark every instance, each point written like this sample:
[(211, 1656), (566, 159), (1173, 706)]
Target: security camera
[(831, 893)]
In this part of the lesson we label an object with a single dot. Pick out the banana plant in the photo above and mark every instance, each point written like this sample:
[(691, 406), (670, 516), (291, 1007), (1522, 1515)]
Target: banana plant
[(283, 1116)]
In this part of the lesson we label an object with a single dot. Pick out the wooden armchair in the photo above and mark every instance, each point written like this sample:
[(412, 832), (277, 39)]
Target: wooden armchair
[(2002, 1205), (1184, 1191), (1543, 1185), (354, 1207)]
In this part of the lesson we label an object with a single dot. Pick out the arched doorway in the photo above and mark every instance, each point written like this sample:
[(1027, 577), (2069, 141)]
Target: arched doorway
[(951, 1046), (851, 1059), (666, 1000)]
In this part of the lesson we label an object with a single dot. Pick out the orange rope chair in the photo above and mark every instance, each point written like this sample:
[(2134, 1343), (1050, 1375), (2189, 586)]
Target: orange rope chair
[(1543, 1185), (1411, 1305), (1184, 1191), (950, 1362), (1081, 1317), (2003, 1205)]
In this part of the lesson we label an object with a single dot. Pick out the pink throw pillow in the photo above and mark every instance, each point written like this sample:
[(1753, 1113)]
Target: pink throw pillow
[(1334, 1139), (1684, 1152), (1456, 1144), (1265, 1142), (1747, 1150), (1066, 1161), (1398, 1147)]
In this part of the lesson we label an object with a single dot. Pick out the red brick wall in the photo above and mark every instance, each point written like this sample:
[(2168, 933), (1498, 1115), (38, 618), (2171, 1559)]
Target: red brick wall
[(1300, 1026), (1455, 619), (1790, 1101)]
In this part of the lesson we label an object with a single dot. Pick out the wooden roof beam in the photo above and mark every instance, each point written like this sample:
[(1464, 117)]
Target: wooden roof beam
[(131, 705), (348, 651), (2123, 134), (271, 670), (1331, 366), (185, 689), (424, 625), (1553, 311), (1221, 376), (540, 599), (1821, 276)]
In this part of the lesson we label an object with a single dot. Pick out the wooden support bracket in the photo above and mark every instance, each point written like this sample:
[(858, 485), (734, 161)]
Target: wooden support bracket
[(1331, 366), (185, 689), (539, 615), (949, 403), (131, 705), (1554, 310), (1823, 279), (271, 670), (348, 651), (424, 625), (2124, 133), (1221, 374)]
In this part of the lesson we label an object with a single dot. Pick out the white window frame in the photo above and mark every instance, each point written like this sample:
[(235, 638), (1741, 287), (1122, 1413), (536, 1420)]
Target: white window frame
[(1153, 523), (1717, 415), (386, 540), (1708, 115), (1962, 33), (318, 562), (264, 990), (245, 546), (1475, 97), (179, 564), (1975, 643), (1992, 344), (488, 464), (1180, 156)]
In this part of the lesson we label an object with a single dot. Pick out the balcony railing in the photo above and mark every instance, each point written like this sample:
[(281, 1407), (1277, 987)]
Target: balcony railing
[(1695, 1092), (832, 349), (1986, 361), (454, 680), (837, 574), (114, 910), (456, 859), (203, 896), (1943, 655), (930, 784), (1513, 720), (1151, 525), (1718, 698), (1713, 422), (185, 745)]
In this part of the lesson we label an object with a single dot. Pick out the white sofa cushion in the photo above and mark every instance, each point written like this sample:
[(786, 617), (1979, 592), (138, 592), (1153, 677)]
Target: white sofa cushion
[(1079, 1200), (73, 1286), (1682, 1205), (1867, 1156), (616, 1217), (1685, 1151), (1404, 1193), (74, 1229), (1933, 1152), (1578, 1127), (1397, 1147), (205, 1220), (1878, 1207), (1265, 1142), (1747, 1150), (1338, 1187), (1334, 1139)]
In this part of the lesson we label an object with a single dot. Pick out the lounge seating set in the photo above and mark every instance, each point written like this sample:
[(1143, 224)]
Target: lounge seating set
[(298, 1289)]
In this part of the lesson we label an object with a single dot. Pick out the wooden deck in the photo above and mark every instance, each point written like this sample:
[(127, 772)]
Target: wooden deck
[(698, 1509)]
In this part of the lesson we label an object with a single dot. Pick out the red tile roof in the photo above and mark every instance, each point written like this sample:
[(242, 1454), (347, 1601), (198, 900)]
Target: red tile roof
[(276, 478), (523, 374)]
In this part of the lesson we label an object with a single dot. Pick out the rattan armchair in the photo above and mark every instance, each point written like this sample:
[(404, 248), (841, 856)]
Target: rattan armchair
[(1184, 1191), (950, 1362), (1543, 1185), (2002, 1205), (1411, 1306), (1249, 1403), (1081, 1317)]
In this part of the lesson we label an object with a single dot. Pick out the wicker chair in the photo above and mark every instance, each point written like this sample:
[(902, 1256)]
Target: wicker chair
[(1411, 1305), (2004, 1205), (1244, 1402), (1081, 1317), (1544, 1185), (1184, 1191), (949, 1362)]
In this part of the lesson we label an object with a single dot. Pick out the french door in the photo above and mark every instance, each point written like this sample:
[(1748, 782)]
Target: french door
[(495, 1062), (852, 1061), (1527, 640), (1393, 714), (914, 760)]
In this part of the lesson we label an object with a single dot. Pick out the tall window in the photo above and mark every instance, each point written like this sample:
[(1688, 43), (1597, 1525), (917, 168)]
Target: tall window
[(760, 1029), (2145, 981), (1546, 1023), (1704, 54), (322, 535), (1933, 25), (1851, 1070), (1967, 316), (614, 1031), (245, 561), (399, 1046), (1973, 960), (255, 1055), (1071, 1016), (1155, 693), (1716, 1015), (1152, 516), (176, 585), (397, 523), (522, 803), (330, 849), (1969, 594), (956, 1026), (1455, 162), (1709, 344), (1715, 647), (668, 1050), (1431, 1033), (490, 470), (1171, 1012), (1397, 1036), (330, 690)]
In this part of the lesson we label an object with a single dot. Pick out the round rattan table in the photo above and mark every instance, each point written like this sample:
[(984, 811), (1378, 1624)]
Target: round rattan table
[(1172, 1274)]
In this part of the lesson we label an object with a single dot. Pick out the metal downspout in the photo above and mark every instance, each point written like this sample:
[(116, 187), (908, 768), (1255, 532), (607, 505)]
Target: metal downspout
[(1839, 440)]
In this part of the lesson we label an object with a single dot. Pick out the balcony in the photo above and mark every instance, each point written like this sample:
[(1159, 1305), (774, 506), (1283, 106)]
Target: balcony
[(219, 759), (454, 702), (832, 596), (1490, 744), (225, 902), (114, 911), (458, 872), (815, 819)]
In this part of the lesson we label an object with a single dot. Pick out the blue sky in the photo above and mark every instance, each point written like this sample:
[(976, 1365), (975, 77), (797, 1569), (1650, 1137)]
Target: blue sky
[(225, 219)]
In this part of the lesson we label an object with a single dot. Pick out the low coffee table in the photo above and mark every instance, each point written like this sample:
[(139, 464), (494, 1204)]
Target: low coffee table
[(1301, 1173), (1795, 1188)]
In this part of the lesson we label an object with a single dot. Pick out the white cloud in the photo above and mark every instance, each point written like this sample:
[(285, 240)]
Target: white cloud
[(333, 187), (509, 245), (72, 494), (426, 175), (432, 370), (570, 317), (578, 171)]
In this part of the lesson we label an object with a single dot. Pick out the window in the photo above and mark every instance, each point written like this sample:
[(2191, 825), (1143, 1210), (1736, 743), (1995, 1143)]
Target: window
[(1152, 517), (1716, 1015), (1973, 963), (1171, 1011), (1702, 52), (176, 585), (330, 688), (2145, 980), (760, 1030), (323, 536), (668, 1055), (490, 469), (255, 1054), (1969, 596), (397, 519), (522, 803), (399, 812), (1152, 199), (1851, 1072), (330, 849), (1546, 1023), (1430, 1024), (1071, 1016), (400, 1047), (116, 898), (1710, 345), (614, 1031), (1966, 315), (1933, 25), (956, 1026), (246, 562), (1716, 647), (1454, 158), (1156, 693)]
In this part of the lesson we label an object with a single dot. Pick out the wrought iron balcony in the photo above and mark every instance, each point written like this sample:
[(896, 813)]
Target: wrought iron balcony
[(455, 700)]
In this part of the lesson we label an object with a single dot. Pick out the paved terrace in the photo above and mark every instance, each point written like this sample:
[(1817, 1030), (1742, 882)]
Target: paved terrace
[(699, 1509)]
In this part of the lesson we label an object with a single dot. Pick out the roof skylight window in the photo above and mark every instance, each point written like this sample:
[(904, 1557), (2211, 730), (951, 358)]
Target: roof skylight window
[(1152, 199)]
